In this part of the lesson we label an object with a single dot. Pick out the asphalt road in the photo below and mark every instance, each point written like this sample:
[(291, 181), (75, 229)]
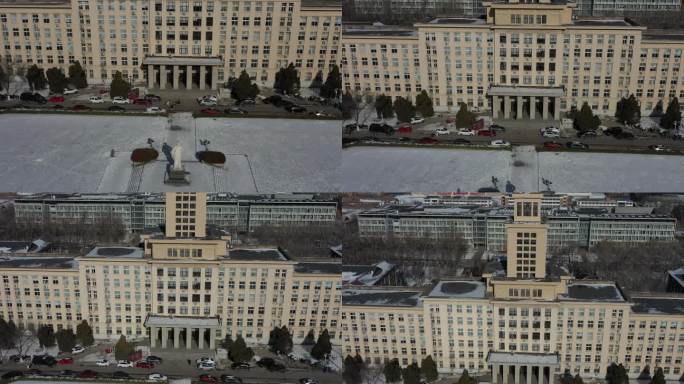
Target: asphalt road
[(175, 370)]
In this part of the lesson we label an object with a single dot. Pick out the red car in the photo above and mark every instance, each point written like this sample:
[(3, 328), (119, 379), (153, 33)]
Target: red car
[(427, 140), (552, 145), (486, 132), (66, 361), (80, 107), (405, 128), (144, 364), (208, 379), (56, 99), (210, 111), (87, 374), (141, 102)]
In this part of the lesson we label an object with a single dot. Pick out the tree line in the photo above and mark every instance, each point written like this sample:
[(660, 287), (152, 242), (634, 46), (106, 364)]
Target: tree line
[(38, 78)]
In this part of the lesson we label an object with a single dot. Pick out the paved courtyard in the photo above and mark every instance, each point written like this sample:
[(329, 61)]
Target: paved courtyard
[(66, 153)]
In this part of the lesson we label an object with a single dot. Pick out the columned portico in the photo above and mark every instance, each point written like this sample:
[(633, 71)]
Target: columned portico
[(519, 368), (530, 102), (198, 72), (167, 331)]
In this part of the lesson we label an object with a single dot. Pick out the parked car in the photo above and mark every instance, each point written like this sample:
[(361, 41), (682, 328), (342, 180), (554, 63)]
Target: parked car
[(308, 381), (69, 91), (34, 97), (26, 96), (576, 145), (405, 128), (144, 364), (56, 99), (141, 102), (240, 365), (228, 379), (210, 111), (120, 375), (384, 128), (58, 106), (44, 360), (624, 136), (461, 141), (417, 120), (466, 132), (486, 132), (157, 377), (120, 100), (96, 99), (552, 145), (124, 364), (153, 359), (207, 103), (657, 148), (275, 100), (205, 360), (427, 141), (151, 97), (38, 98), (154, 110), (116, 108), (11, 375), (208, 379), (497, 128), (207, 98), (550, 128), (19, 358), (500, 143), (235, 111), (87, 374), (103, 363), (67, 373), (33, 372), (66, 361), (246, 102), (295, 109), (206, 366), (613, 131), (321, 114), (441, 131), (265, 361), (586, 134), (80, 107)]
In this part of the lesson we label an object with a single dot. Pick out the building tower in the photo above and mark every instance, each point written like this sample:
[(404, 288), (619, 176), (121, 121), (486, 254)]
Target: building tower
[(186, 214), (526, 239)]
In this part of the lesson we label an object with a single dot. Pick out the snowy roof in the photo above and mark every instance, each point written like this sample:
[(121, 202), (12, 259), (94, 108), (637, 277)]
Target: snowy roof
[(522, 358), (658, 305), (319, 268), (366, 274), (161, 321), (466, 289), (593, 292), (678, 275), (503, 90), (257, 254), (383, 298), (14, 246), (117, 252), (39, 262)]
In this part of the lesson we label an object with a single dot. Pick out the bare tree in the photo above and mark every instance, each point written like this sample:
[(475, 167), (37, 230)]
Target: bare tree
[(10, 70), (374, 375)]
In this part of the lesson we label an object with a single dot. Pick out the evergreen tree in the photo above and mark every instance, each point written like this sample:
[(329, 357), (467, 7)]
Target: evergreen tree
[(645, 373), (239, 351), (317, 81), (464, 118), (348, 106), (46, 336), (392, 371), (404, 109), (84, 334), (466, 379), (310, 338), (411, 374), (280, 340), (123, 349), (577, 379), (323, 347), (243, 88), (77, 76), (616, 374), (333, 83), (424, 104), (673, 115), (36, 77), (119, 87), (287, 80), (585, 120), (428, 368), (628, 111), (383, 107), (4, 76), (56, 80), (352, 372), (66, 340), (658, 377), (227, 342)]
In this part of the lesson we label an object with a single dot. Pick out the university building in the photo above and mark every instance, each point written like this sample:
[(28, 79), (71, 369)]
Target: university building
[(524, 60), (523, 324), (139, 212), (186, 288), (174, 44)]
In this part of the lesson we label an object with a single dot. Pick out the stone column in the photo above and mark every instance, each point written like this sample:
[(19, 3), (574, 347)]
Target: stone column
[(203, 75), (214, 77), (507, 107), (516, 375), (533, 104), (150, 76), (200, 339), (545, 107), (176, 337), (188, 77), (188, 338), (162, 76), (540, 378), (556, 108), (529, 374), (495, 373), (165, 336), (212, 338), (495, 107), (519, 114), (153, 337), (176, 76)]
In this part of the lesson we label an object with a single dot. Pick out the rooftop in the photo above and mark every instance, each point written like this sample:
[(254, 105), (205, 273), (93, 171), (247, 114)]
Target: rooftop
[(39, 262), (602, 23), (456, 20), (678, 275), (366, 274), (34, 2), (257, 254), (469, 289), (522, 358), (382, 298), (379, 31), (22, 246), (679, 36), (319, 268), (593, 292), (160, 321), (658, 305), (117, 252)]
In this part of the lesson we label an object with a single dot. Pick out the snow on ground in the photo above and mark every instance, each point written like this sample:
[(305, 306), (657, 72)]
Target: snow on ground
[(377, 169), (65, 153)]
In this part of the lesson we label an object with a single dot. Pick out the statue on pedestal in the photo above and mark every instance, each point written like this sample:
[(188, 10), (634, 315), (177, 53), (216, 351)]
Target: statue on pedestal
[(175, 172)]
